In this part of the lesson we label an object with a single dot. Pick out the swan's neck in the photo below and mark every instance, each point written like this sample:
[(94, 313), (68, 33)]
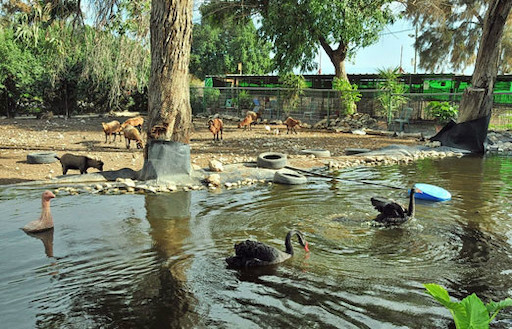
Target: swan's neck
[(410, 211), (288, 243)]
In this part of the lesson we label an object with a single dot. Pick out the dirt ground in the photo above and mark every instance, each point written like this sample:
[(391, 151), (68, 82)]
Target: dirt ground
[(84, 136)]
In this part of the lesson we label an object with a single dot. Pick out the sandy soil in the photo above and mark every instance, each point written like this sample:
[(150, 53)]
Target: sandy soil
[(84, 136)]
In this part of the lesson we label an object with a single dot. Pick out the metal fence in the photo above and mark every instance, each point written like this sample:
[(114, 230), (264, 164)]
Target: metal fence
[(316, 104)]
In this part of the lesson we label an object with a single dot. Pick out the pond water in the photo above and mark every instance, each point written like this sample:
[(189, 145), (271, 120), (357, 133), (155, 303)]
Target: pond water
[(157, 261)]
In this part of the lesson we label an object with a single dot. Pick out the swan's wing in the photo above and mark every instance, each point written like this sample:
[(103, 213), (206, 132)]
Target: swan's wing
[(380, 203), (254, 249)]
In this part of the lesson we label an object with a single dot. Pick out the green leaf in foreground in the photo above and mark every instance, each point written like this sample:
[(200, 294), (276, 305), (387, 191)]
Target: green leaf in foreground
[(471, 312)]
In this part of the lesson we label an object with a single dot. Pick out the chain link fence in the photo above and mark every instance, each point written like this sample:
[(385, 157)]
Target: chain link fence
[(313, 105)]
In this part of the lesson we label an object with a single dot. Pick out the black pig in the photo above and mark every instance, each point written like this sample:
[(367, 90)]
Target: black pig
[(79, 162)]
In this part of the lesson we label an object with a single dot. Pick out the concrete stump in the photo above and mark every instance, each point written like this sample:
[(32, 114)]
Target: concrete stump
[(167, 161)]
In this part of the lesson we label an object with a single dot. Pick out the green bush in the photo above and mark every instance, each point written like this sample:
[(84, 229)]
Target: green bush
[(349, 95), (244, 100), (442, 111), (295, 85)]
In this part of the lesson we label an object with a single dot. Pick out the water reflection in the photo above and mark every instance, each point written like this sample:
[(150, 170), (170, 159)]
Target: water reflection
[(47, 238), (168, 217)]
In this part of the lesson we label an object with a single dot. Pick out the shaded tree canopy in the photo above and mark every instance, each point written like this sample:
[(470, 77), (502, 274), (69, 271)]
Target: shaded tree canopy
[(298, 28)]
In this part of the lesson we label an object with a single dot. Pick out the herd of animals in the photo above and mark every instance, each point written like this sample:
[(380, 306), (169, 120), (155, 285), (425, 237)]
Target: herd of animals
[(132, 130)]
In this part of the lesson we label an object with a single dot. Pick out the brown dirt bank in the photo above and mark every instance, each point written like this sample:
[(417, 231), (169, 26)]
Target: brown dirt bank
[(84, 136)]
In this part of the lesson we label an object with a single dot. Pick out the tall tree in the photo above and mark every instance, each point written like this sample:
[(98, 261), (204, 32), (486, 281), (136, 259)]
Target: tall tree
[(477, 101), (169, 103), (450, 32), (298, 29)]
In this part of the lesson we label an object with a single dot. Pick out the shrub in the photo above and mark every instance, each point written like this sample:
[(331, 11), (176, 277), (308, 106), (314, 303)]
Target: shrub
[(442, 111), (349, 95)]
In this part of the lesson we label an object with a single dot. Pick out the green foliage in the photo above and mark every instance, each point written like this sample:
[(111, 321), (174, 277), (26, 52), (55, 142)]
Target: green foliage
[(471, 312), (391, 99), (297, 29), (49, 62), (218, 50), (244, 100), (349, 95), (294, 88), (442, 111), (211, 96)]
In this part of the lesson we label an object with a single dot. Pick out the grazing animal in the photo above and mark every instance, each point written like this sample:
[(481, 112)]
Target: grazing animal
[(45, 221), (111, 128), (246, 122), (393, 213), (132, 133), (253, 253), (216, 126), (136, 122), (291, 123), (79, 162), (254, 115)]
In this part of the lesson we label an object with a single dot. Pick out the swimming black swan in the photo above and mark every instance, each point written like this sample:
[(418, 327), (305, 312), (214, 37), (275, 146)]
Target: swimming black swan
[(393, 213), (253, 253), (45, 221)]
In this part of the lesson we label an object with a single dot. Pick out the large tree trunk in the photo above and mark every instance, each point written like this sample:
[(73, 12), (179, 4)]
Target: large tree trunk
[(337, 57), (169, 102), (477, 100), (167, 153), (470, 133)]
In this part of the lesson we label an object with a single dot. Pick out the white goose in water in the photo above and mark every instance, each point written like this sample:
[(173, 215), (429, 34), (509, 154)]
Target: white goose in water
[(45, 221), (393, 213), (253, 253)]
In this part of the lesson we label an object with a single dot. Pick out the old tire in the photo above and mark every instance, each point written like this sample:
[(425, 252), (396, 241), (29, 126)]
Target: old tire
[(319, 153), (46, 157), (272, 160), (289, 177)]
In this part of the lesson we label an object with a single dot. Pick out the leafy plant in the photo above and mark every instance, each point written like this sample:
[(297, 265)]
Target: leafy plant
[(294, 88), (442, 111), (471, 312), (349, 95), (391, 99), (211, 97), (244, 100)]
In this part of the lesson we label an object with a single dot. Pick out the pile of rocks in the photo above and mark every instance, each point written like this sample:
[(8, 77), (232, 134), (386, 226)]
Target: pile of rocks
[(499, 141), (348, 123)]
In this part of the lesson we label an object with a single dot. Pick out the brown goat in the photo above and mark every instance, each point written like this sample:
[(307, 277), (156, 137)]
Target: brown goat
[(255, 116), (111, 128), (137, 122), (246, 122), (291, 123), (216, 126), (132, 133)]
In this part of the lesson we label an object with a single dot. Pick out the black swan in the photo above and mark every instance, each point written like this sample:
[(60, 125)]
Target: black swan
[(253, 253), (45, 221), (393, 213)]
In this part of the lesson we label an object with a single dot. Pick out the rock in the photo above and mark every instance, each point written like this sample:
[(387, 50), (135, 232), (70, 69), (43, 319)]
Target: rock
[(215, 165), (214, 179)]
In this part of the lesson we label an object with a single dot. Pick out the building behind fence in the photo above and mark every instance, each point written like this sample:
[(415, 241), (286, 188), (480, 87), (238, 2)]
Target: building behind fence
[(316, 104)]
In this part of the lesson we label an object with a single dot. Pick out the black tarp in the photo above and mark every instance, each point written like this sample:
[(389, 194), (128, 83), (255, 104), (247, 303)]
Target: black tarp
[(469, 135)]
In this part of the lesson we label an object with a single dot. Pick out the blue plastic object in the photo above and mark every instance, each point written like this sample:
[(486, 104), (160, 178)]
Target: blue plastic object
[(431, 192)]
